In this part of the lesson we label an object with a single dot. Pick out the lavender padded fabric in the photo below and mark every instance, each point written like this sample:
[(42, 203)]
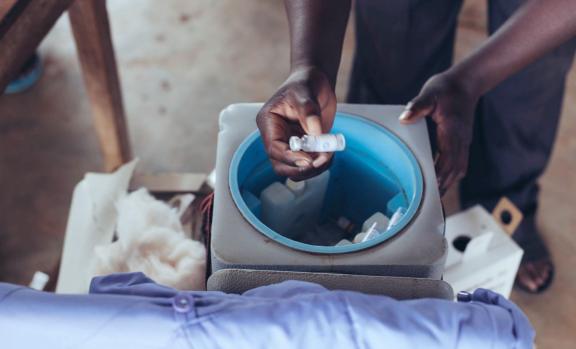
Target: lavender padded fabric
[(131, 311)]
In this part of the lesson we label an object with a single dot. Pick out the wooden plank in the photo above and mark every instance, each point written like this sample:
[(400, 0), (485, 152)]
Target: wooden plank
[(7, 5), (169, 182), (91, 29), (22, 28)]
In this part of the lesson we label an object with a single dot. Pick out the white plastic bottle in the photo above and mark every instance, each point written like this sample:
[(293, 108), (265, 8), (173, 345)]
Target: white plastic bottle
[(379, 218), (293, 208), (372, 227), (321, 143)]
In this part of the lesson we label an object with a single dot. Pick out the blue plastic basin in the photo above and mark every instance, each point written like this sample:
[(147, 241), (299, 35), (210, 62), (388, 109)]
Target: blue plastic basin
[(376, 172)]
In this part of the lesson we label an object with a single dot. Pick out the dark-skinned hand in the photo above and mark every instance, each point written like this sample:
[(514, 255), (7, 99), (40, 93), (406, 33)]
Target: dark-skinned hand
[(304, 104), (448, 103)]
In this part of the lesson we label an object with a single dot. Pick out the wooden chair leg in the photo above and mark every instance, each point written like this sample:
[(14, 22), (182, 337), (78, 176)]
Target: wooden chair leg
[(91, 29), (23, 25)]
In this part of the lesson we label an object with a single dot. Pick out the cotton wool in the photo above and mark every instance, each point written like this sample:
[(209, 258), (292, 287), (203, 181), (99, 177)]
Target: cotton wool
[(150, 239)]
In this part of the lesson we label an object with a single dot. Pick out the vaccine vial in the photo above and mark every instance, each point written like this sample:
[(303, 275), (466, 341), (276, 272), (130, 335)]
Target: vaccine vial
[(322, 143), (39, 281), (395, 219)]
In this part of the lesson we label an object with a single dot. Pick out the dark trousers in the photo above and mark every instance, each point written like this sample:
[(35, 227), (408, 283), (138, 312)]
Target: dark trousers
[(400, 44)]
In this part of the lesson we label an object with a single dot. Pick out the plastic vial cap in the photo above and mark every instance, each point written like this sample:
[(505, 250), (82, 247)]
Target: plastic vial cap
[(341, 141), (359, 238), (39, 281), (295, 186), (344, 242), (464, 296), (295, 143)]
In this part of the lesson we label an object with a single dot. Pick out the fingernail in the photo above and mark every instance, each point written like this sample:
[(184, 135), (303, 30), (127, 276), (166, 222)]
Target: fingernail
[(405, 115), (319, 162), (302, 163)]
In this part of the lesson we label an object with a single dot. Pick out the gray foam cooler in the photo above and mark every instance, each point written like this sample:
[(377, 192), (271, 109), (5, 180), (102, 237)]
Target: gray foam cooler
[(239, 241)]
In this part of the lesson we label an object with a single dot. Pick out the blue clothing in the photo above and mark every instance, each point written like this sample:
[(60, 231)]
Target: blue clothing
[(401, 44), (131, 311)]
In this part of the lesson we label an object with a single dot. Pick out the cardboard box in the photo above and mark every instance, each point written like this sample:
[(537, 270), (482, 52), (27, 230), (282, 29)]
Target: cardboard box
[(93, 216), (480, 253)]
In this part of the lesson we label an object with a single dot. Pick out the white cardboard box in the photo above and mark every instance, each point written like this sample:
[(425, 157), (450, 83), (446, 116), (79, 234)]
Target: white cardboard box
[(92, 218), (490, 259)]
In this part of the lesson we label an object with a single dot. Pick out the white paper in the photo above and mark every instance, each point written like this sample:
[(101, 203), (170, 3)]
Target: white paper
[(91, 223)]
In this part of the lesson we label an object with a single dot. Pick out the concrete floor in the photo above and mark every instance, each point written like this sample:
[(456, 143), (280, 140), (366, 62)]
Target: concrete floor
[(181, 62)]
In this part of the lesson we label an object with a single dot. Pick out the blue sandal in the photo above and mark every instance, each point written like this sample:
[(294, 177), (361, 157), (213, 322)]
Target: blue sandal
[(28, 76)]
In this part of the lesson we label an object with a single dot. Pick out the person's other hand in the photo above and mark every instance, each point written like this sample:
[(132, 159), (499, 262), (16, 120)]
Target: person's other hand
[(451, 106), (304, 104)]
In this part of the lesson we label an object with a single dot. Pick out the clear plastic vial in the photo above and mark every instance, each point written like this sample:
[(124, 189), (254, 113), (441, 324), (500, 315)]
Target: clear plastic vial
[(322, 143)]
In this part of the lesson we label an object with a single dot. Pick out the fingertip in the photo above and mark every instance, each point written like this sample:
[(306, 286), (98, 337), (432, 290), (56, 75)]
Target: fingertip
[(405, 116), (285, 170), (417, 109), (298, 158), (321, 160), (413, 116), (318, 162), (441, 188)]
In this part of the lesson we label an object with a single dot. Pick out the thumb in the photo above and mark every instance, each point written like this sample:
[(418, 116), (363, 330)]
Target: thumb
[(418, 108), (312, 125), (309, 112)]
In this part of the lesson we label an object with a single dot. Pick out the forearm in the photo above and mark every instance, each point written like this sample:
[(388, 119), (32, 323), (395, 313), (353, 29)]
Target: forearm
[(316, 33), (536, 28)]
